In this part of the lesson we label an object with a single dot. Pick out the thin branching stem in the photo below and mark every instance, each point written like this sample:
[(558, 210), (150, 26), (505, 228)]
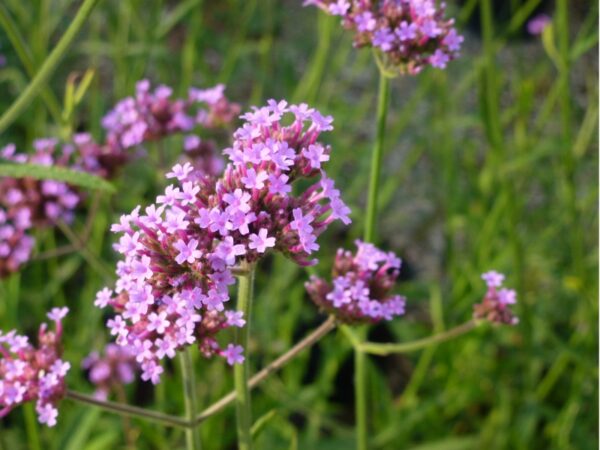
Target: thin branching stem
[(307, 342), (129, 410), (375, 348)]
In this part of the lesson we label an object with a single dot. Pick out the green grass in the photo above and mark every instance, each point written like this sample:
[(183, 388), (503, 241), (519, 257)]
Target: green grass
[(489, 164)]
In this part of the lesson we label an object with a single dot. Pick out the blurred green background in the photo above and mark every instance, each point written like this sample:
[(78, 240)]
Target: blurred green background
[(491, 164)]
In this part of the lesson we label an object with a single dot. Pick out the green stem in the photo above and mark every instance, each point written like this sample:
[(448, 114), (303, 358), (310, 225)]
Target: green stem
[(48, 67), (241, 371), (360, 392), (33, 436), (192, 435), (360, 375), (377, 157), (128, 410), (385, 349)]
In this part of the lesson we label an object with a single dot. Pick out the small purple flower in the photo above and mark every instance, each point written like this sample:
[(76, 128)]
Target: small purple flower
[(254, 180), (260, 242), (365, 21), (233, 354), (439, 59), (406, 31), (235, 318), (493, 278), (57, 314), (187, 251)]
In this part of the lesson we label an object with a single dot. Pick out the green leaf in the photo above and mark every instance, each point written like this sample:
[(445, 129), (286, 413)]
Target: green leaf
[(39, 172)]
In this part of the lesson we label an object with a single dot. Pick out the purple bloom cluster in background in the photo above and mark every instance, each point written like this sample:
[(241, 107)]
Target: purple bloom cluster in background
[(28, 373), (111, 370), (410, 34), (152, 115), (360, 286), (26, 203), (537, 24), (173, 281), (495, 306)]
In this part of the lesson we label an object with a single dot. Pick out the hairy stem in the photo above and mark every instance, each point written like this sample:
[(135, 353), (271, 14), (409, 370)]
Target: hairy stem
[(241, 371), (192, 435)]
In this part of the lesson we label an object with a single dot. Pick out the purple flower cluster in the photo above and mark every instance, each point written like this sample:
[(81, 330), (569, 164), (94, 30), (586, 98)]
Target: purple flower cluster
[(27, 203), (153, 114), (359, 291), (28, 373), (495, 306), (173, 282), (410, 34), (108, 372)]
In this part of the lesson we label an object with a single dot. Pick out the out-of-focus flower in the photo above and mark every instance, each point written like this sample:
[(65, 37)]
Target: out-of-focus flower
[(35, 374), (409, 34), (495, 306), (536, 25), (116, 367), (359, 291), (152, 114), (26, 202)]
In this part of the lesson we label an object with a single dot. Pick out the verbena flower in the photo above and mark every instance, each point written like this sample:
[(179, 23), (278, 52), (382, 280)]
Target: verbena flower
[(26, 203), (29, 373), (152, 114), (108, 371), (409, 34), (177, 254), (495, 306), (359, 291)]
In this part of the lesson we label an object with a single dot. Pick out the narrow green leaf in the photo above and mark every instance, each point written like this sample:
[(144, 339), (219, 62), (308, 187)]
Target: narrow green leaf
[(39, 172)]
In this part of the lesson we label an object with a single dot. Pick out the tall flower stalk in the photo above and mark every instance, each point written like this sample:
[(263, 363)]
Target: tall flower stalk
[(241, 371), (406, 36), (383, 101), (192, 434)]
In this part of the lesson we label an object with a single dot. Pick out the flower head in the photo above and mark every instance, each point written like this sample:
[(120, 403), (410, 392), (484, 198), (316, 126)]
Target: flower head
[(409, 34), (495, 306), (360, 286), (29, 373), (114, 367), (27, 203)]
